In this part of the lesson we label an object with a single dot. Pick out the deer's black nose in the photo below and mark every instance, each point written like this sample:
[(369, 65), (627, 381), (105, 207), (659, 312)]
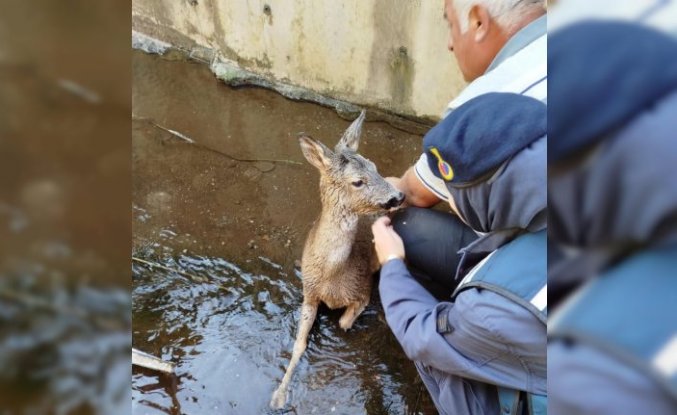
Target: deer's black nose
[(394, 201)]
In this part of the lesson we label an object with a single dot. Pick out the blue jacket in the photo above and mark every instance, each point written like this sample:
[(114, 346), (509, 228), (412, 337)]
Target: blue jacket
[(491, 340)]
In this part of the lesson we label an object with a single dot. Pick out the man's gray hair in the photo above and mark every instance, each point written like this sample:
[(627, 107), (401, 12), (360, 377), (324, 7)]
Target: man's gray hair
[(506, 12)]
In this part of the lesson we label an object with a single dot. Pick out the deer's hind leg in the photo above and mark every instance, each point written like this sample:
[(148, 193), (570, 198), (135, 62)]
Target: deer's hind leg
[(351, 314), (308, 313)]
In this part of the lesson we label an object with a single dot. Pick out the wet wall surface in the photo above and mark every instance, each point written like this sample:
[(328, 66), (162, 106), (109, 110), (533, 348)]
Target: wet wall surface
[(226, 236)]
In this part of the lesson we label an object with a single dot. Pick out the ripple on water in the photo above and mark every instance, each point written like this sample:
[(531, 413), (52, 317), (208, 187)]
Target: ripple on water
[(231, 337)]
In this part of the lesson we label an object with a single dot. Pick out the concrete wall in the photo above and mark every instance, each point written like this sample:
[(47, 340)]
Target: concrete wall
[(389, 54)]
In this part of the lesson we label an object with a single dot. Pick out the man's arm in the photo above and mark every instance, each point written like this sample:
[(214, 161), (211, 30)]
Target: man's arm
[(416, 194), (476, 337), (411, 311)]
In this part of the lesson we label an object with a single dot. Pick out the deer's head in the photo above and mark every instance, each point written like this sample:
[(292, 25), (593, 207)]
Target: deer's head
[(347, 179)]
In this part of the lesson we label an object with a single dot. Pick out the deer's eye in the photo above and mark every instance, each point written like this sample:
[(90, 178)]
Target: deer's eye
[(358, 183)]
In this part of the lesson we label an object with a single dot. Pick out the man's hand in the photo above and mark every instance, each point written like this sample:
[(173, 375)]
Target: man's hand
[(388, 243)]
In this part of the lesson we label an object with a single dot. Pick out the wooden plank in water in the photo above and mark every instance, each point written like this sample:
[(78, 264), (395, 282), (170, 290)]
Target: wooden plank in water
[(148, 361)]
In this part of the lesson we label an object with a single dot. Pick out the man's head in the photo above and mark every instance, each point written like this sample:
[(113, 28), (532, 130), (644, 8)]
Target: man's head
[(478, 29)]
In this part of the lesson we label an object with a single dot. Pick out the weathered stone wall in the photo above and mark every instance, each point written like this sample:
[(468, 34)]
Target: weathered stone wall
[(388, 54)]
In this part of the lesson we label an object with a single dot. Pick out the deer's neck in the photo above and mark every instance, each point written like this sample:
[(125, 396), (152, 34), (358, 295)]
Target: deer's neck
[(336, 229), (339, 221)]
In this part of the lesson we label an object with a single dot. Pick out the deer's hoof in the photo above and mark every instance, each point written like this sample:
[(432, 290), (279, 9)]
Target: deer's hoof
[(345, 324), (279, 399)]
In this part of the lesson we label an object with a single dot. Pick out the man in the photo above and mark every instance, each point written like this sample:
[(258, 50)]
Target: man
[(500, 46), (612, 339), (483, 349), (613, 212)]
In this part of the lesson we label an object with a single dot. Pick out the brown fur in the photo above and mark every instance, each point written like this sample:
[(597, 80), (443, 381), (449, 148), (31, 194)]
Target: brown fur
[(338, 257)]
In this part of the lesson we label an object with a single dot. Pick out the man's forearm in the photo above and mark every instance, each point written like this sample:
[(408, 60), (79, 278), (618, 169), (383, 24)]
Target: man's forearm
[(416, 194), (408, 308)]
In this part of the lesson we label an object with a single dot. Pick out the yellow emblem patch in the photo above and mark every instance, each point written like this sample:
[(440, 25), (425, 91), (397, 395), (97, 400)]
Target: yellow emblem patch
[(445, 169)]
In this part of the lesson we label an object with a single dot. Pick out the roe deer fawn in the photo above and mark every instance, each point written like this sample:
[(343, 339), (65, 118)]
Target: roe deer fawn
[(338, 257)]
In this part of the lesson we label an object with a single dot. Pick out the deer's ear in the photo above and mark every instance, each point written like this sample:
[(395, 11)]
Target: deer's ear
[(315, 152), (351, 138)]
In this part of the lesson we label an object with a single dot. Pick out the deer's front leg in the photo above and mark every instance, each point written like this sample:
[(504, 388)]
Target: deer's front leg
[(308, 312), (351, 314)]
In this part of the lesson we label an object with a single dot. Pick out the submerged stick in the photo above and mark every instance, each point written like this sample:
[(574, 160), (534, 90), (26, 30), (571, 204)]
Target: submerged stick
[(191, 141), (148, 361), (176, 133)]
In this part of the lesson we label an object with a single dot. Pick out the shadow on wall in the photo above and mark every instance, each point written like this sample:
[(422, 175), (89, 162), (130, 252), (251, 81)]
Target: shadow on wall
[(390, 66)]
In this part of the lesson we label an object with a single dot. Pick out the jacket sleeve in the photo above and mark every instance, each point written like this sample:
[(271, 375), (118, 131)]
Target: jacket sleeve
[(486, 337), (412, 312)]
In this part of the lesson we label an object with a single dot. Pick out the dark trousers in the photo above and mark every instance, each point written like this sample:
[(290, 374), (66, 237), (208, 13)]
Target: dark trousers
[(432, 240)]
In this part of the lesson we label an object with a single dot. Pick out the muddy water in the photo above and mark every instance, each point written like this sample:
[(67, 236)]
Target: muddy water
[(65, 303), (228, 236)]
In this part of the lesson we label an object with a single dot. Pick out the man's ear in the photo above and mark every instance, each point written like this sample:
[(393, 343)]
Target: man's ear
[(315, 152), (479, 21)]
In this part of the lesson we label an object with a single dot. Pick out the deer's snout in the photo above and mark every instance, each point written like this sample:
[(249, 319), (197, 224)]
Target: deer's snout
[(394, 201)]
